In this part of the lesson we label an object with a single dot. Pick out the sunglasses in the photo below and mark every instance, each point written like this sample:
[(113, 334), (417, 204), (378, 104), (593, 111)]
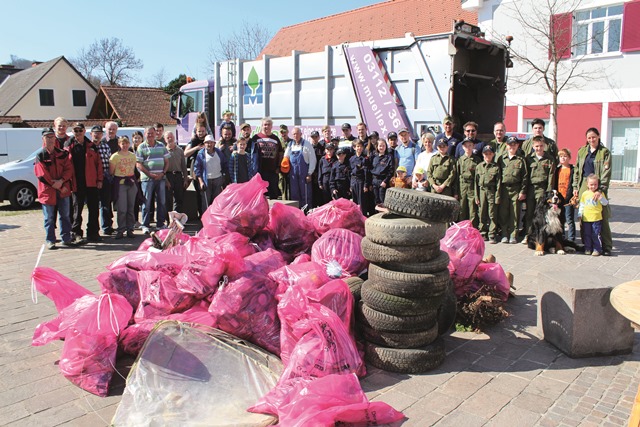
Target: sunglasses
[(78, 130), (470, 130)]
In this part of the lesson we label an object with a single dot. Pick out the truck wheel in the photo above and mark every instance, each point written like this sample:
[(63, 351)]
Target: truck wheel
[(434, 265), (405, 339), (389, 322), (447, 312), (355, 284), (396, 305), (375, 252), (389, 229), (406, 361), (412, 285), (418, 204), (22, 195)]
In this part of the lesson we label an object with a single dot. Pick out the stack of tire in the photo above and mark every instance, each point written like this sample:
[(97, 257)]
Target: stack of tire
[(407, 302)]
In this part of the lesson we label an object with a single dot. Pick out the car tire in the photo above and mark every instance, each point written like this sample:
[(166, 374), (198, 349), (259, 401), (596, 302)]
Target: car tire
[(406, 361), (390, 229), (22, 195), (393, 323), (447, 312), (439, 263), (355, 285), (404, 339), (419, 204), (397, 305), (375, 252), (411, 285)]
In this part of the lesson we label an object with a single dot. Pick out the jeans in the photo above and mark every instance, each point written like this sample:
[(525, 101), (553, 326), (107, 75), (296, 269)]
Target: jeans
[(150, 187), (126, 201), (569, 214), (592, 236), (106, 210), (62, 206)]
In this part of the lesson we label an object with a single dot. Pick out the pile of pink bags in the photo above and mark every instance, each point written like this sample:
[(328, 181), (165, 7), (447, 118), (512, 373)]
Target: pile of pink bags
[(259, 274)]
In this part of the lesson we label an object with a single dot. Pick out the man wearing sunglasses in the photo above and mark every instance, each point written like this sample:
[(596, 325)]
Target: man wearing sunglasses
[(451, 137), (471, 133)]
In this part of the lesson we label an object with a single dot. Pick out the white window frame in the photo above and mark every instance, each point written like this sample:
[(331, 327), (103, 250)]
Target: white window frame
[(590, 36)]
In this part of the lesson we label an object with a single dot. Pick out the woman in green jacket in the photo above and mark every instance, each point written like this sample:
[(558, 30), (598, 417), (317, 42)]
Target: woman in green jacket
[(595, 158)]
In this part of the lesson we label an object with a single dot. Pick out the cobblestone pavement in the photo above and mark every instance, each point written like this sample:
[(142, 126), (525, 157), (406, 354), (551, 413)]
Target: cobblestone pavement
[(506, 376)]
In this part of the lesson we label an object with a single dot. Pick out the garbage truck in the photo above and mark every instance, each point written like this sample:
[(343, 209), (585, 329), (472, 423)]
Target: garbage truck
[(410, 82)]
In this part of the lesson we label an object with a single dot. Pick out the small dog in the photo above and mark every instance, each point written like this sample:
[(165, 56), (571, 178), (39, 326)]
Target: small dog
[(546, 230)]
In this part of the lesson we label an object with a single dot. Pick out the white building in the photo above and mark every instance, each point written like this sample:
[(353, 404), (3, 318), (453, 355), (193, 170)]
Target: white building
[(601, 37)]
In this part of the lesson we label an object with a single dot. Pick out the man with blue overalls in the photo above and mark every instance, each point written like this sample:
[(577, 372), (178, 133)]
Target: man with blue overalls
[(303, 162)]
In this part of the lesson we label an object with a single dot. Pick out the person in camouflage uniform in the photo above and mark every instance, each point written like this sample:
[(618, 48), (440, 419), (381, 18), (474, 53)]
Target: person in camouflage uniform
[(466, 170), (513, 190), (542, 169), (537, 127), (442, 171), (488, 182)]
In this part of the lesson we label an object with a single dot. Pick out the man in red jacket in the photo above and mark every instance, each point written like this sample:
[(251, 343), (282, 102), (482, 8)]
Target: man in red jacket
[(55, 176)]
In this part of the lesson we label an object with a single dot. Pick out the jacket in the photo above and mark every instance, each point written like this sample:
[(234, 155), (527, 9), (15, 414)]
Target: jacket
[(201, 164), (87, 164), (602, 165), (51, 167)]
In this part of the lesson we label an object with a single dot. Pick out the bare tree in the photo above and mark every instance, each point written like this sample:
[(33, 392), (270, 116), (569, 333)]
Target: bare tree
[(158, 80), (541, 32), (109, 60), (244, 43)]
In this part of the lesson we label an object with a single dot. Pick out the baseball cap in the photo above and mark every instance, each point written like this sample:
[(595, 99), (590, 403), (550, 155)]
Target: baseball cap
[(447, 119), (401, 169), (346, 126), (392, 135), (341, 151), (488, 148), (244, 125), (442, 141), (468, 140), (48, 131), (315, 134), (375, 134), (96, 128), (209, 138), (330, 147), (419, 170), (78, 125), (335, 138), (284, 127), (512, 140), (403, 130)]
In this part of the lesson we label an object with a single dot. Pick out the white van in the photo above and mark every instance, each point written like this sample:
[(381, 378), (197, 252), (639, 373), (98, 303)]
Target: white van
[(18, 183), (16, 144)]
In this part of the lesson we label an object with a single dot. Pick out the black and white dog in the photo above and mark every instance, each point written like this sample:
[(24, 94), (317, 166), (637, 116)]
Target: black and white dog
[(546, 230)]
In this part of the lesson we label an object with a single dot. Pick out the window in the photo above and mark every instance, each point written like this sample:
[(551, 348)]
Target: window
[(191, 102), (598, 30), (79, 98), (46, 97)]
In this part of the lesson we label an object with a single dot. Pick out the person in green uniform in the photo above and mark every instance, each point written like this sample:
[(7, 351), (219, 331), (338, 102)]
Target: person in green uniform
[(542, 171), (442, 171), (595, 158), (466, 171), (512, 191), (537, 127), (488, 180)]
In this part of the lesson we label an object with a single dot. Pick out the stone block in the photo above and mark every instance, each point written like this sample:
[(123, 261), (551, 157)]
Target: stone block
[(576, 316)]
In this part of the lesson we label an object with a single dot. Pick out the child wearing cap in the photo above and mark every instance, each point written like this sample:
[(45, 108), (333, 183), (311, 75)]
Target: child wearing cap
[(466, 171), (442, 171), (488, 180), (513, 190), (360, 167), (324, 173), (227, 120), (419, 181), (340, 176), (381, 171), (401, 180)]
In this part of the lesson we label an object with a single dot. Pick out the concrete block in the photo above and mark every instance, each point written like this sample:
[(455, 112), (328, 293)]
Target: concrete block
[(575, 315)]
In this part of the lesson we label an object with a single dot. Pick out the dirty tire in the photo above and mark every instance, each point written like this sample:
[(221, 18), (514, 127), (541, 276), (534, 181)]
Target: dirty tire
[(411, 285), (389, 322), (397, 305), (375, 252), (447, 311), (419, 204), (439, 263), (406, 361), (390, 229), (404, 339), (355, 284)]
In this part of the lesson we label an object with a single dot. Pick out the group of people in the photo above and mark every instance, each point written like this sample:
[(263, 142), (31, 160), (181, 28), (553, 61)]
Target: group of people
[(106, 173), (498, 183)]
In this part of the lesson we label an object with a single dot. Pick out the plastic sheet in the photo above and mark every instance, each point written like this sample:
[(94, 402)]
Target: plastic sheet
[(342, 246), (194, 375), (340, 213)]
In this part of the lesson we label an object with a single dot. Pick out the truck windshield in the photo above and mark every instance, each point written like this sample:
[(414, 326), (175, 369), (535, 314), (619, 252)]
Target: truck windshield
[(191, 102)]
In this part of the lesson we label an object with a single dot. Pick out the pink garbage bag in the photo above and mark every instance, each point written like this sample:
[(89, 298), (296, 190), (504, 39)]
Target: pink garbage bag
[(326, 401), (340, 251), (57, 287), (490, 275), (306, 275), (240, 207), (159, 296), (167, 262), (465, 247), (121, 281), (201, 276), (292, 231), (340, 213), (264, 262)]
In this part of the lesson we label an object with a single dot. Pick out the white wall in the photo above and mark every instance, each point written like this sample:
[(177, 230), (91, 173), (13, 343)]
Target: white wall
[(62, 79)]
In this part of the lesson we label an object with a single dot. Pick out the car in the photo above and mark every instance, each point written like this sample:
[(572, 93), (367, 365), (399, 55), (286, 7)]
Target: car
[(18, 182)]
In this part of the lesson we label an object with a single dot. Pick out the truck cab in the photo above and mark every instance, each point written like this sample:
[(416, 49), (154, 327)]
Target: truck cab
[(193, 98)]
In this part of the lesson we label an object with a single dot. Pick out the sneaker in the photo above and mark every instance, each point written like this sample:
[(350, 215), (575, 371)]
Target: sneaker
[(137, 225), (493, 240), (119, 235), (145, 230), (606, 252), (504, 240), (587, 252), (524, 240), (595, 253), (51, 245), (69, 244), (94, 239), (130, 234), (108, 231), (513, 240)]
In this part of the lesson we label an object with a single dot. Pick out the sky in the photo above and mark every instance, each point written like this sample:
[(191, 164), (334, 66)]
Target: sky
[(160, 33)]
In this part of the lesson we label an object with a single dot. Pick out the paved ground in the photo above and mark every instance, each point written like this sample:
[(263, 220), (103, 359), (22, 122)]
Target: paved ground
[(504, 377)]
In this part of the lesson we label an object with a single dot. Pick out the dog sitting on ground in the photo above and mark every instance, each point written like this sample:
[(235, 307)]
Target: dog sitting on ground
[(546, 230)]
